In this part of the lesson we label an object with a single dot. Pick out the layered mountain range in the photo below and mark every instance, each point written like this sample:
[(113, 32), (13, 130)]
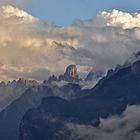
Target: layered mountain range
[(12, 90), (30, 93), (55, 116), (62, 100)]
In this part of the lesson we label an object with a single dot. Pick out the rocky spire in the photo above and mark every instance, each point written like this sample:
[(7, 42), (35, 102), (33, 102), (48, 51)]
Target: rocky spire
[(71, 74)]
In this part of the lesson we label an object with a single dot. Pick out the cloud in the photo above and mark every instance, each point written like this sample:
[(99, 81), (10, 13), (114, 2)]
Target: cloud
[(28, 45), (115, 18), (10, 11), (124, 127)]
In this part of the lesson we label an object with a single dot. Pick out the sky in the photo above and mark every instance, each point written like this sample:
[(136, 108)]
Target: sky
[(94, 35), (64, 12)]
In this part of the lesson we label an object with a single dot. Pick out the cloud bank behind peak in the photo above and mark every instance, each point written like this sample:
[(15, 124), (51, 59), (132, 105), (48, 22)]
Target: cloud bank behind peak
[(29, 46), (114, 18)]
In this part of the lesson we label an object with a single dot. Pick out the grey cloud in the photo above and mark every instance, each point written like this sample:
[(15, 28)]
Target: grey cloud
[(123, 127), (38, 74)]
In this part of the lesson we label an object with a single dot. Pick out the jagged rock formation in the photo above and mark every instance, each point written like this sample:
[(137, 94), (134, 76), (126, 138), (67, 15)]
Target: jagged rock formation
[(70, 75), (71, 71), (25, 82), (12, 90), (109, 97), (51, 79)]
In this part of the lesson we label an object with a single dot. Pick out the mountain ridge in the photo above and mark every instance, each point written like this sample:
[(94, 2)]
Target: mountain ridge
[(109, 97)]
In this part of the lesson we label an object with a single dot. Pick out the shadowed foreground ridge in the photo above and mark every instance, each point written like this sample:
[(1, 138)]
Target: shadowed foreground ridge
[(110, 97)]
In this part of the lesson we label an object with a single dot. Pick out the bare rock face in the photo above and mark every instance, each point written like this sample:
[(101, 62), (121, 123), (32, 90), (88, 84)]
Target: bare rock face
[(70, 75), (71, 71)]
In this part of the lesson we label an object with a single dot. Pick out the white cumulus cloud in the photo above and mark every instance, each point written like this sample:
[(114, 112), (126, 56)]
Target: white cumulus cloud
[(10, 11), (114, 18)]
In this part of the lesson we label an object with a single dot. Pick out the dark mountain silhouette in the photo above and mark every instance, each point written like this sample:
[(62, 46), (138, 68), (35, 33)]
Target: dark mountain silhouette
[(109, 97), (11, 116)]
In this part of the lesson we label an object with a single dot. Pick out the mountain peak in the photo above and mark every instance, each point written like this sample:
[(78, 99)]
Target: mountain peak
[(71, 74), (71, 71)]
